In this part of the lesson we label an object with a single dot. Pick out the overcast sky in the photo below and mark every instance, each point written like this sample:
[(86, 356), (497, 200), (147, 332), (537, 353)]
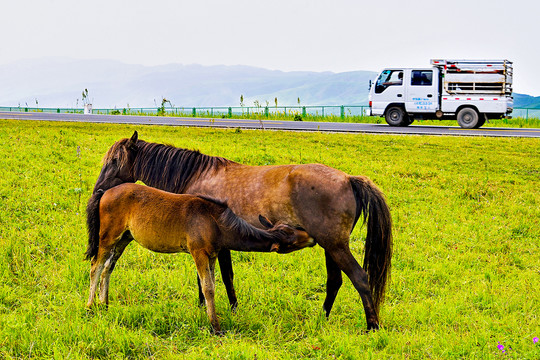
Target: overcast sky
[(331, 35)]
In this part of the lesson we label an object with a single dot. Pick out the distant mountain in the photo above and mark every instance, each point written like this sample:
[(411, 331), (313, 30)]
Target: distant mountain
[(59, 82), (526, 101)]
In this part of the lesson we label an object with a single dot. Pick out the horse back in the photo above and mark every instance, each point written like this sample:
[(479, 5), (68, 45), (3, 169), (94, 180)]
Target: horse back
[(314, 196)]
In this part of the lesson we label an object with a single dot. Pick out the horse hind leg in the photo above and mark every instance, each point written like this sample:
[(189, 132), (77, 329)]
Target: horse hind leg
[(202, 300), (205, 269), (98, 263), (343, 257), (334, 281), (225, 264)]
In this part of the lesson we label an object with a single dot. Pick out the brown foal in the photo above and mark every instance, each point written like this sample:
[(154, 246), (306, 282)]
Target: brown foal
[(170, 223)]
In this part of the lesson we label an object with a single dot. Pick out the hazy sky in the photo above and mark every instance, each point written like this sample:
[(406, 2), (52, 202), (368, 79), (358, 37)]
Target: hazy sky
[(333, 35)]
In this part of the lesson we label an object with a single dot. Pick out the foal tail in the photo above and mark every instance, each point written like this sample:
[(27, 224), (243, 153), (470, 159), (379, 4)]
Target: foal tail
[(92, 223), (378, 249)]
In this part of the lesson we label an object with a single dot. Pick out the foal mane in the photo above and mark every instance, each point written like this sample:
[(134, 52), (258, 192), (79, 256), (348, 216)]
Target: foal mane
[(233, 222), (170, 168)]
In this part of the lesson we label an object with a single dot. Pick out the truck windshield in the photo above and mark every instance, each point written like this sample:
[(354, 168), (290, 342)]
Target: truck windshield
[(388, 78)]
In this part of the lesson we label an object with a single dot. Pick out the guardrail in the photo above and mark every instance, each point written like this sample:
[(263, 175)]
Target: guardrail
[(212, 111), (334, 111)]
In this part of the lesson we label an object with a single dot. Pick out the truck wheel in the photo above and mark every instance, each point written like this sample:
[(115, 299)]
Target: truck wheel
[(481, 122), (467, 118), (395, 116)]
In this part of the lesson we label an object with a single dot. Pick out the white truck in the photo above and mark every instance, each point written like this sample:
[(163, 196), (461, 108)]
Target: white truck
[(471, 91)]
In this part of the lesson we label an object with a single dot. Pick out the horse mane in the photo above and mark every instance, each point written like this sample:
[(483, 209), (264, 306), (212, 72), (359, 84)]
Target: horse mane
[(170, 168), (119, 151)]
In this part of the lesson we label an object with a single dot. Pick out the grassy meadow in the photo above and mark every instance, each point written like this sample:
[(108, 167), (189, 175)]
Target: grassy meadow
[(466, 266)]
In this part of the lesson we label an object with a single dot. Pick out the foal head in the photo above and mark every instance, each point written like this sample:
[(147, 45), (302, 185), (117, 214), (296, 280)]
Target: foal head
[(118, 164), (289, 239)]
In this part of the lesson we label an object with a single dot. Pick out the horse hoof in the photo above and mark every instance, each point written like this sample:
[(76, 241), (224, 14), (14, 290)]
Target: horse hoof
[(373, 326), (218, 332)]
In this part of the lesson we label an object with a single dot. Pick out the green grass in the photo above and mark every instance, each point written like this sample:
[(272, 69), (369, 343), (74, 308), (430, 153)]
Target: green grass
[(465, 275)]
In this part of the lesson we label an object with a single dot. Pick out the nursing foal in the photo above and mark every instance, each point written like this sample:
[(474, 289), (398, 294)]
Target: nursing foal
[(169, 223)]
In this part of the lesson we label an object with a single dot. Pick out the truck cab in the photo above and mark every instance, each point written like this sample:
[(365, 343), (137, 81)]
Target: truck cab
[(470, 91), (402, 91)]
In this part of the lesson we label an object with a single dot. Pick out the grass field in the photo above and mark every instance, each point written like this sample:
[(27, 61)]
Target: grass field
[(466, 265)]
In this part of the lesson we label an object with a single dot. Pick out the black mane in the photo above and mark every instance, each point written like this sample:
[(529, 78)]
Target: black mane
[(170, 168)]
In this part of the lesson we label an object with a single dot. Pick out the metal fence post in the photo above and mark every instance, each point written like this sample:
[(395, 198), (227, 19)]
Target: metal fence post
[(342, 111), (266, 111), (230, 111), (304, 111), (194, 112)]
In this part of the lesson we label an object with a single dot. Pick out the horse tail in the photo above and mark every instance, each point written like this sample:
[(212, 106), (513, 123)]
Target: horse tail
[(378, 249), (92, 223)]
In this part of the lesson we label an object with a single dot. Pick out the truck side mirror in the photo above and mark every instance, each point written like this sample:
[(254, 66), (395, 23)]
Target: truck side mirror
[(369, 85)]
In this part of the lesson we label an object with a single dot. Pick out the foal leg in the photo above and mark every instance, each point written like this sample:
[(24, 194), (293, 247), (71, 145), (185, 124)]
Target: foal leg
[(225, 264), (343, 257), (334, 281), (205, 269), (98, 264), (201, 294), (115, 254)]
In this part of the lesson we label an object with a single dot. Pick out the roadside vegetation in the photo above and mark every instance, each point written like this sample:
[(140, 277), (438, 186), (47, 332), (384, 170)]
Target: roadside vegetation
[(296, 114), (349, 114), (465, 276)]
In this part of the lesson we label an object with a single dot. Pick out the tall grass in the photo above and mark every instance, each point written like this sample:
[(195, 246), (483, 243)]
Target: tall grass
[(465, 274)]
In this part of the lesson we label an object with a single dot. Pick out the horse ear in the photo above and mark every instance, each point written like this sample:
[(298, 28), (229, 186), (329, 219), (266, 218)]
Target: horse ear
[(265, 222), (132, 143)]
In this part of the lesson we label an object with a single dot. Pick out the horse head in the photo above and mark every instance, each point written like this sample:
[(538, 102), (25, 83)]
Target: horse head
[(118, 164), (290, 239)]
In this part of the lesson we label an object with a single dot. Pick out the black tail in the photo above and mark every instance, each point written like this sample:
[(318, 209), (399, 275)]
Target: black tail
[(92, 223), (378, 250)]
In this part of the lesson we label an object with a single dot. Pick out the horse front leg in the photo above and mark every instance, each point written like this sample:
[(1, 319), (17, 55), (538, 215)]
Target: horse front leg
[(343, 257), (225, 264)]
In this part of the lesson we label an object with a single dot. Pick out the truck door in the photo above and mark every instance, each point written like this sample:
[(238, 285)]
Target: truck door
[(389, 88), (422, 91)]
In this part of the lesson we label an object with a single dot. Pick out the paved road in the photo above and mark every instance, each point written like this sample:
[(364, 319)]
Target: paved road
[(275, 124)]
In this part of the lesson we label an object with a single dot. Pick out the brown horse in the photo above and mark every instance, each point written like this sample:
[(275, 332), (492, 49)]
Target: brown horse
[(324, 201), (171, 223)]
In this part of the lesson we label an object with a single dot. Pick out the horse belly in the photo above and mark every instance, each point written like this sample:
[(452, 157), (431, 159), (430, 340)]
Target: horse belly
[(161, 239), (313, 196)]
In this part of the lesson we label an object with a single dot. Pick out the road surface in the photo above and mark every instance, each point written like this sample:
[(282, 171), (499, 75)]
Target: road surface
[(274, 124)]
